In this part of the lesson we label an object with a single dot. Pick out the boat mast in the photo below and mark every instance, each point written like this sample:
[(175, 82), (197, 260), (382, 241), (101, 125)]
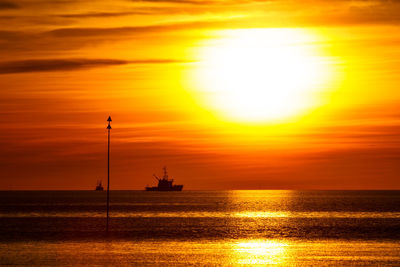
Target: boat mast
[(165, 173), (108, 170)]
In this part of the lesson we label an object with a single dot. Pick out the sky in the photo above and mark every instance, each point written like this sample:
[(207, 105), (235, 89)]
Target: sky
[(245, 94)]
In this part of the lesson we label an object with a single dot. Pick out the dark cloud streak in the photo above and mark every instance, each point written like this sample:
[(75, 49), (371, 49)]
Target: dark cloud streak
[(41, 65), (102, 14), (8, 5), (54, 65)]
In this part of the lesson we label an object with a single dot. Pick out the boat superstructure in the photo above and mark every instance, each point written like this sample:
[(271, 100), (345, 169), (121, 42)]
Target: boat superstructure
[(164, 183), (99, 186)]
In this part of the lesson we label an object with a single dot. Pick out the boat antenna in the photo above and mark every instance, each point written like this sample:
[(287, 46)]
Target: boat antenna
[(108, 170)]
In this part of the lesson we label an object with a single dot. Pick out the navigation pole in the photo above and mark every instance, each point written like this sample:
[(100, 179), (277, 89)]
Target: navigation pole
[(108, 170)]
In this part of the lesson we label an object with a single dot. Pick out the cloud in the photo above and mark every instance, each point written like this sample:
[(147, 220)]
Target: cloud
[(8, 5), (85, 32), (40, 65), (206, 3), (158, 61), (102, 14), (72, 38), (51, 42), (55, 65), (190, 2)]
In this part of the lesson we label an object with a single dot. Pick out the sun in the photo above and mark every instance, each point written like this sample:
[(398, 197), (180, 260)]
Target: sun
[(257, 75)]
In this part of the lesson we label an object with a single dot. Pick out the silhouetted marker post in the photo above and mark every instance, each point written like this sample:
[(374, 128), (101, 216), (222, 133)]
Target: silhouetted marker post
[(108, 170)]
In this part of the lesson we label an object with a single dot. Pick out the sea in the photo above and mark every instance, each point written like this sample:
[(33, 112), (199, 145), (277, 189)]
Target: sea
[(200, 228)]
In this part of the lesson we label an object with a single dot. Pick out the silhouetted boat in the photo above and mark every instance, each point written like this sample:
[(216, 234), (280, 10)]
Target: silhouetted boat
[(164, 184), (99, 186)]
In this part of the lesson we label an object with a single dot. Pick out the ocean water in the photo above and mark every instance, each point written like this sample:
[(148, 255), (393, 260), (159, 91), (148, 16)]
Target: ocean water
[(200, 228)]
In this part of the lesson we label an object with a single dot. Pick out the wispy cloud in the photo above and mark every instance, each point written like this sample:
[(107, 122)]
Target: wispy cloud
[(190, 2), (41, 65), (95, 31), (8, 5), (101, 14), (55, 65), (72, 38)]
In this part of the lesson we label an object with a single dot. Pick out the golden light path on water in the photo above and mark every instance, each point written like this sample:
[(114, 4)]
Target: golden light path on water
[(262, 75), (259, 252), (243, 214), (246, 239), (246, 252)]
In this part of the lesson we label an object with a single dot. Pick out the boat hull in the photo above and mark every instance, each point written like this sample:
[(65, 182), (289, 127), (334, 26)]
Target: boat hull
[(164, 189)]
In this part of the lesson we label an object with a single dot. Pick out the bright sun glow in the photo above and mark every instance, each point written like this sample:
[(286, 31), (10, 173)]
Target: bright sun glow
[(256, 75)]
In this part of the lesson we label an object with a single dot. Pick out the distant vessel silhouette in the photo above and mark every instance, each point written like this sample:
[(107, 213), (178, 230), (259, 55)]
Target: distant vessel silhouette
[(99, 186), (164, 184)]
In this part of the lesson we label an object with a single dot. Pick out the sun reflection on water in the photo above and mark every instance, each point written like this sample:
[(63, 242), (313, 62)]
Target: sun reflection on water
[(259, 252), (261, 214)]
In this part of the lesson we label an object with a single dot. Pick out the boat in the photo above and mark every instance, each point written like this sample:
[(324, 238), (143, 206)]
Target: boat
[(164, 184), (99, 186)]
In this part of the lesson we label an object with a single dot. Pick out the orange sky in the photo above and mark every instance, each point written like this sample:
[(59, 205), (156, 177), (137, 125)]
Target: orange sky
[(66, 65)]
